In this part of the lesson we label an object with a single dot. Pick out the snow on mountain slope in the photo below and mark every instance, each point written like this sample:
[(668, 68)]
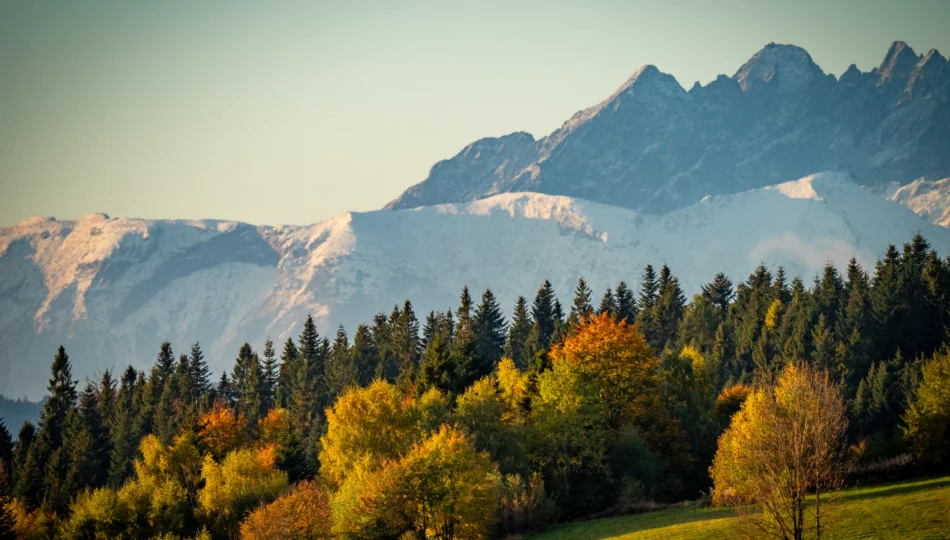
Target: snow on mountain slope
[(930, 199), (112, 289)]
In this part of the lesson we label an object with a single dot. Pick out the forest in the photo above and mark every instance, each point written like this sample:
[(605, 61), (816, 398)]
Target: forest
[(468, 424)]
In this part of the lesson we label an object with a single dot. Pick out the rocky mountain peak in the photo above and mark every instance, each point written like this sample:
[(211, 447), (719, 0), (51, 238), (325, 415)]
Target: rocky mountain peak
[(898, 63), (789, 67)]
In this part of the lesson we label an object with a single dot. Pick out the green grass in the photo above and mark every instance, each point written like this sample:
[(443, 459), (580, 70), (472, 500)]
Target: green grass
[(909, 509)]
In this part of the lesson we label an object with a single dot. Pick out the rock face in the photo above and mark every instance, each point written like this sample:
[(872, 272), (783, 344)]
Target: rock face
[(653, 146), (111, 290)]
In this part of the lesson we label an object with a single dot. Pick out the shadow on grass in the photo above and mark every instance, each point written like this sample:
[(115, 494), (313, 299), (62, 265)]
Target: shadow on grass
[(634, 523), (891, 491)]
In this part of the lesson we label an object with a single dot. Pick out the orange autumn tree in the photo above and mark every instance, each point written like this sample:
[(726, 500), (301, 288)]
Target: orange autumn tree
[(221, 430), (616, 360), (302, 513)]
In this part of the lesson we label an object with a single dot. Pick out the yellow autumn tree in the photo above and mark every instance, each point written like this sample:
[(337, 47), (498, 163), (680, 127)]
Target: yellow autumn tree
[(370, 423), (785, 443), (927, 420), (302, 513), (242, 481), (442, 488)]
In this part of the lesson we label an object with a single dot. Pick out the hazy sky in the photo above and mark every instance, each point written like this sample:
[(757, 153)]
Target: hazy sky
[(290, 112)]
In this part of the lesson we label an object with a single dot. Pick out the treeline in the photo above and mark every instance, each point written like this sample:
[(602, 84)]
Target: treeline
[(466, 424)]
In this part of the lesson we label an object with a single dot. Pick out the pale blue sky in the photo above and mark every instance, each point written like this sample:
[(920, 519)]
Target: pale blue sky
[(290, 112)]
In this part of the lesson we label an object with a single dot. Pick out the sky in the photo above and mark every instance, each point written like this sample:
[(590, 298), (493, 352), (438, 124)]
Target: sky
[(290, 112)]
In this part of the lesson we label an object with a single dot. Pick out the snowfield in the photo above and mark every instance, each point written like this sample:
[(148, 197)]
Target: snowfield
[(111, 290)]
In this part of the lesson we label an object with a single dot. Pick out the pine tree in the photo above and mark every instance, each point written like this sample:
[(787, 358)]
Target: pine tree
[(490, 327), (341, 370), (365, 355), (626, 303), (269, 377), (518, 333), (186, 407), (607, 304)]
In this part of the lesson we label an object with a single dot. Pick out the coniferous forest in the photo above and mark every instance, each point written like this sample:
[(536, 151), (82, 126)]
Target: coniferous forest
[(476, 422)]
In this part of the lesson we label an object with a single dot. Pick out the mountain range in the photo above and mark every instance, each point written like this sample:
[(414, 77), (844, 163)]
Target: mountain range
[(654, 146), (780, 164)]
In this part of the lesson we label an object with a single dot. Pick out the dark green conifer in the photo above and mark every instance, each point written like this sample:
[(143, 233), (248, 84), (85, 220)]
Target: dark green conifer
[(518, 333), (341, 370), (607, 304), (365, 355), (490, 327)]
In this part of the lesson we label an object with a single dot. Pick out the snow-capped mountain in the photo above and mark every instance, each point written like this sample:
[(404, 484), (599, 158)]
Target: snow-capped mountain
[(654, 146), (112, 289)]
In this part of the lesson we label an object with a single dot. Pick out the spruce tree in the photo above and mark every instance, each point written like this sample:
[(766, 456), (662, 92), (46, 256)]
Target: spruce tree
[(309, 349), (106, 397), (164, 365), (246, 382), (341, 371), (581, 307), (438, 368), (490, 327), (719, 293), (467, 362), (518, 333), (607, 305), (386, 368), (669, 308), (224, 392), (285, 378), (200, 375), (269, 377), (124, 438), (626, 303), (542, 313), (88, 444), (649, 294), (165, 419), (365, 355), (43, 480), (405, 343), (6, 460)]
